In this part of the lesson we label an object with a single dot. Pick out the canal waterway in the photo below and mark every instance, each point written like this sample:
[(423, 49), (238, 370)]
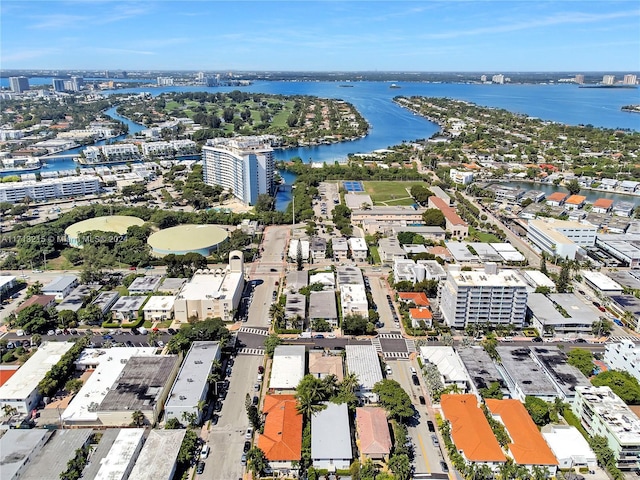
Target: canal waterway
[(591, 195)]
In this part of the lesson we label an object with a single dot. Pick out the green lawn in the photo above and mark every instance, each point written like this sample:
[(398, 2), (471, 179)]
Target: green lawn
[(375, 255), (393, 192), (482, 237), (171, 105)]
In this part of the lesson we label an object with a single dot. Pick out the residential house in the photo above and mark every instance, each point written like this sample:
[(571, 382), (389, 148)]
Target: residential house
[(602, 205), (281, 439), (359, 250), (421, 317), (575, 202), (556, 199), (390, 250), (372, 434), (331, 438), (340, 248)]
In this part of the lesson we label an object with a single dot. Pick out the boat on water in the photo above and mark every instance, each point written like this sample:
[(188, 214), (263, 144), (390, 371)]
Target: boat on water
[(393, 85), (20, 165)]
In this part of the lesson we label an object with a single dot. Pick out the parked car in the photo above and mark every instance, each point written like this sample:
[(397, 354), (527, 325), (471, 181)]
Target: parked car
[(107, 337), (243, 459), (422, 400), (247, 446), (435, 441), (415, 379), (200, 468), (260, 369), (249, 433), (444, 466), (430, 426), (255, 400), (204, 453)]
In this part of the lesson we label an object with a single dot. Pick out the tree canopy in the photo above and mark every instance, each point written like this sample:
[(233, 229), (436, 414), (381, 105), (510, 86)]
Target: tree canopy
[(394, 399), (621, 383), (581, 359)]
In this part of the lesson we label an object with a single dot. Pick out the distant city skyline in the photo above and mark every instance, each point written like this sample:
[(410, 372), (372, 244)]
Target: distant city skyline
[(478, 36)]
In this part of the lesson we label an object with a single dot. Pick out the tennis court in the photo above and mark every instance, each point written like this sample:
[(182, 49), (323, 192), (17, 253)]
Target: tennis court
[(352, 186)]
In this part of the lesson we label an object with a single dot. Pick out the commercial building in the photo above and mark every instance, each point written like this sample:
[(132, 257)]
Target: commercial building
[(470, 431), (52, 460), (489, 296), (602, 412), (192, 383), (481, 369), (212, 293), (244, 165), (446, 360), (144, 285), (118, 463), (322, 364), (601, 283), (555, 364), (453, 223), (363, 362), (623, 356), (60, 286), (460, 177), (561, 238), (19, 84), (536, 279), (544, 316), (527, 447), (331, 438), (47, 189), (127, 309), (358, 248), (625, 248), (372, 434), (21, 390), (281, 439), (107, 366), (159, 308), (523, 375), (569, 447), (159, 455), (18, 448), (388, 215), (288, 367), (322, 306), (183, 239)]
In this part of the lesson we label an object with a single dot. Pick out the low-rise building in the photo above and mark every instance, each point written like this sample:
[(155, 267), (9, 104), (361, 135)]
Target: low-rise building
[(601, 283), (575, 202), (18, 448), (127, 309), (295, 310), (21, 390), (326, 279), (561, 238), (288, 367), (172, 285), (569, 447), (421, 317), (448, 363), (363, 362), (297, 280), (460, 177), (323, 364), (624, 356), (52, 461), (146, 284), (402, 215), (544, 315), (556, 199), (625, 248), (349, 275), (358, 248), (419, 299), (390, 250), (75, 300), (331, 438), (523, 375), (159, 308), (602, 205), (623, 209), (281, 439), (118, 463), (470, 431), (555, 364), (602, 412), (536, 279), (322, 306), (528, 447), (159, 455), (192, 382), (318, 248), (105, 301), (340, 248), (372, 434), (453, 222), (48, 189), (45, 301), (353, 300), (60, 286), (481, 369), (299, 247)]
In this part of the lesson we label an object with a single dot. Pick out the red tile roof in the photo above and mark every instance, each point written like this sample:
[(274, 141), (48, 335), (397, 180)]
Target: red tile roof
[(282, 437), (420, 313), (6, 374), (373, 431), (448, 212), (557, 197), (42, 300), (575, 199), (419, 298), (470, 429), (529, 446), (603, 203)]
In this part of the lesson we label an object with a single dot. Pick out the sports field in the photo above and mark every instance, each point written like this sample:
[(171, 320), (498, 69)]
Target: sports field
[(390, 193)]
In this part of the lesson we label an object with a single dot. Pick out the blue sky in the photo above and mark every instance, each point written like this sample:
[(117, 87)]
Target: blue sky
[(517, 35)]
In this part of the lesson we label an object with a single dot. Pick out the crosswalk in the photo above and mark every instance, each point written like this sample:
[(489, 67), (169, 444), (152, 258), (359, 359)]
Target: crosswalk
[(396, 355), (411, 346), (255, 331), (395, 336), (376, 343), (619, 338), (251, 351)]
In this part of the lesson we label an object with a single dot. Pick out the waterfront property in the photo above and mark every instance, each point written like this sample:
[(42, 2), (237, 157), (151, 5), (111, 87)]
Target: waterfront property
[(48, 189)]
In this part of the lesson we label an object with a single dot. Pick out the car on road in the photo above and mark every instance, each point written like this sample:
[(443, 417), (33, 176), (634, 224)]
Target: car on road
[(536, 339), (435, 441), (200, 468), (580, 340), (51, 332), (415, 379), (204, 453), (172, 331), (273, 270), (107, 337), (247, 446), (260, 369), (596, 304), (431, 426), (20, 333), (602, 309), (256, 387), (422, 400), (581, 292), (388, 370), (255, 400), (444, 466), (214, 419), (249, 433), (318, 336)]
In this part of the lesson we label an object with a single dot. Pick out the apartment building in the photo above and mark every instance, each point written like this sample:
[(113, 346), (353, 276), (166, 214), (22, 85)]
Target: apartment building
[(358, 248), (460, 177), (623, 355), (602, 412), (244, 165), (14, 192), (174, 147), (483, 296), (561, 238)]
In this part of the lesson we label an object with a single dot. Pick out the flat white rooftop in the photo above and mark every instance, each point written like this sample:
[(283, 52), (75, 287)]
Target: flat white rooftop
[(538, 279), (601, 281), (26, 379), (362, 360), (288, 367), (157, 302), (109, 364), (158, 456), (116, 464), (448, 363), (479, 278), (218, 284), (190, 383), (566, 441)]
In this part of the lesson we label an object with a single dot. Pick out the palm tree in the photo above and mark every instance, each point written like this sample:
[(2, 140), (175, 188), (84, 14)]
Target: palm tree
[(137, 418), (9, 410), (306, 404), (330, 385), (256, 462)]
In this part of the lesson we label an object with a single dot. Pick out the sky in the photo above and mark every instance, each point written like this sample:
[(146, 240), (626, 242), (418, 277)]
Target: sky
[(331, 35)]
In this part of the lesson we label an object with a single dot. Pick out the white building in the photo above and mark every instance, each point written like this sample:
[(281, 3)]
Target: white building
[(536, 279), (410, 271), (295, 245), (459, 177), (50, 188), (340, 248), (569, 447), (358, 247), (624, 356), (288, 367), (121, 457), (363, 362), (483, 296), (212, 293), (117, 152), (353, 300), (331, 438), (602, 412), (244, 165), (561, 238), (449, 365), (21, 390), (158, 457), (600, 283), (159, 308), (173, 147), (192, 383)]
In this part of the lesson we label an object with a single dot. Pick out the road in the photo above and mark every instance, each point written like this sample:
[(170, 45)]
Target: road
[(379, 290), (227, 437), (427, 457)]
